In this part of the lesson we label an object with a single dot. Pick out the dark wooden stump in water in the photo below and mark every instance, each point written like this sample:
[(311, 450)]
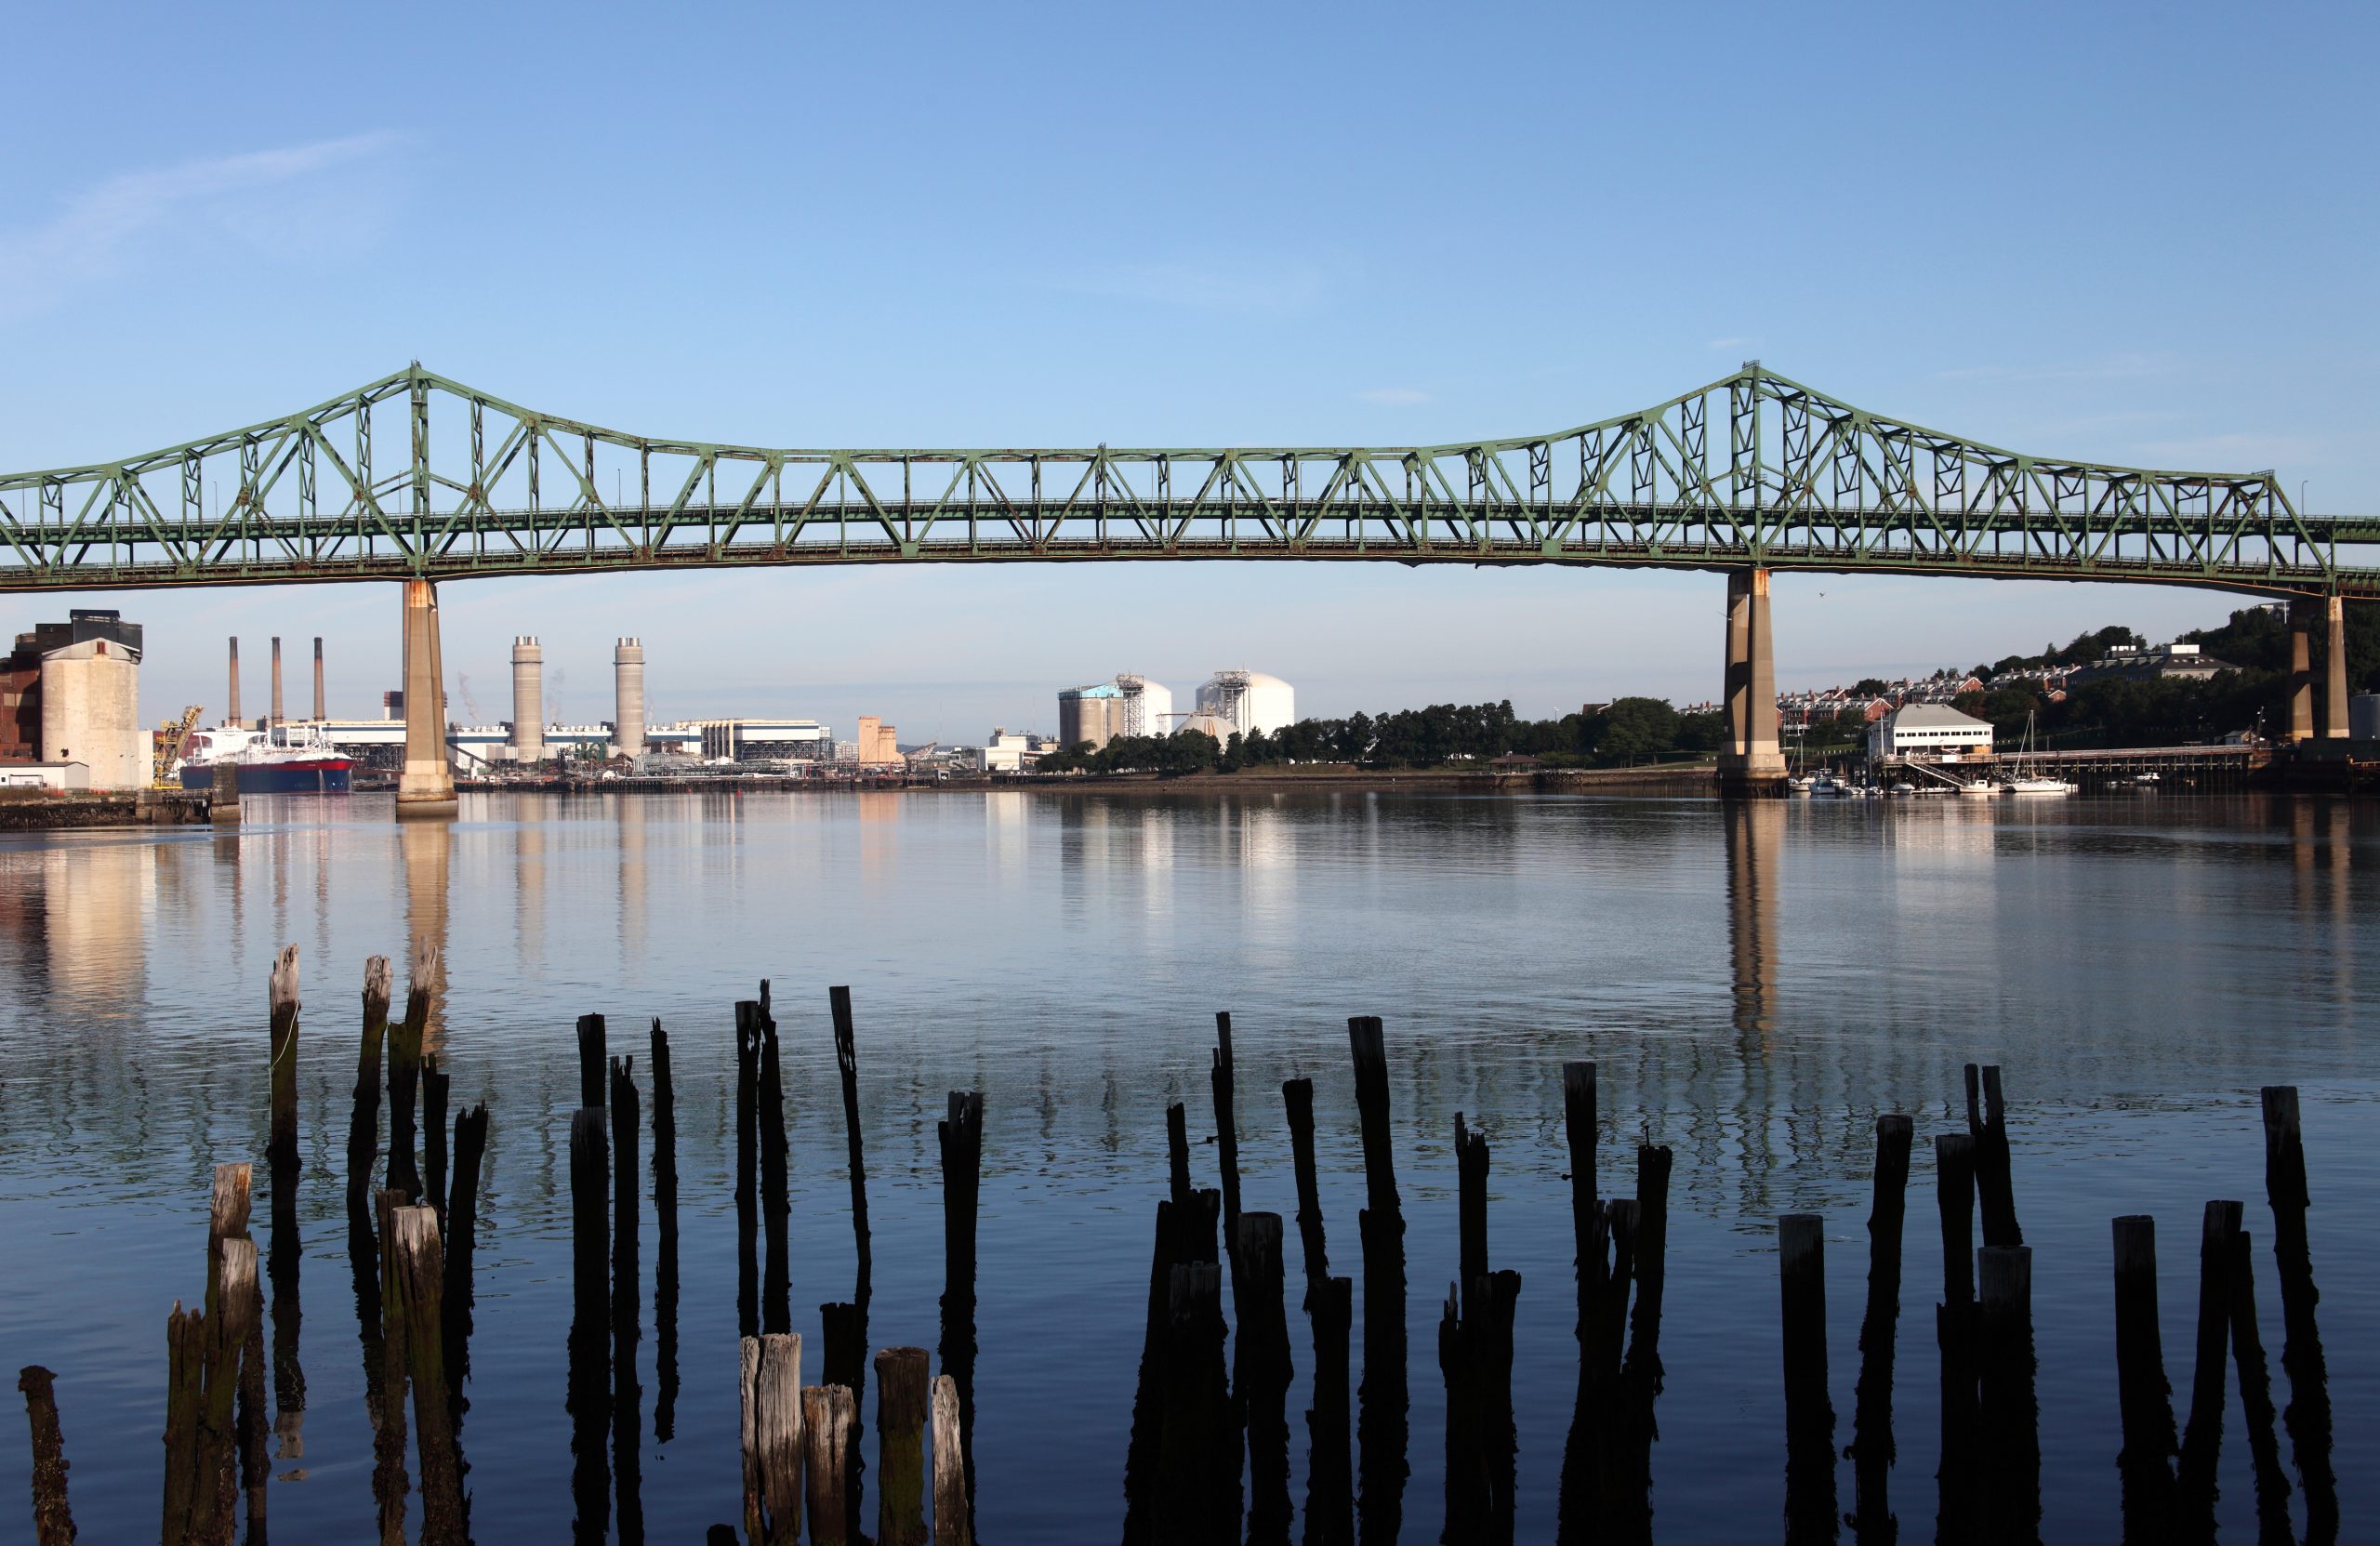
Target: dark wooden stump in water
[(419, 1275), (1579, 1503), (775, 1470), (281, 1150), (390, 1481), (363, 1128), (627, 1399), (665, 1265), (846, 1331), (962, 1139), (1266, 1372), (404, 1068), (2255, 1399), (1199, 1485), (53, 1517), (776, 1204), (2194, 1483), (588, 1398), (593, 1057), (2307, 1417), (462, 1244), (1809, 1412), (2009, 1414), (2143, 1397), (903, 1382), (1219, 1082), (1383, 1408), (1871, 1423), (748, 1167), (1142, 1449), (1959, 1506), (435, 1084), (1994, 1186), (1177, 1152)]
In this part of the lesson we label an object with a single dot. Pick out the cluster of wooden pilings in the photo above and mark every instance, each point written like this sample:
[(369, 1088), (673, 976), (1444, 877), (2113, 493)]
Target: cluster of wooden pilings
[(1988, 1483), (1207, 1459)]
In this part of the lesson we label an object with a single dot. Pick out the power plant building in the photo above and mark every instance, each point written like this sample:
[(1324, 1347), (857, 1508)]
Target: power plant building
[(1149, 706), (765, 740), (1248, 701), (71, 695), (879, 744)]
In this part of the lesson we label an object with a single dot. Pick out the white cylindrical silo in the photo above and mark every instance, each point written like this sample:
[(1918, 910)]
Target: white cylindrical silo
[(528, 700), (628, 726)]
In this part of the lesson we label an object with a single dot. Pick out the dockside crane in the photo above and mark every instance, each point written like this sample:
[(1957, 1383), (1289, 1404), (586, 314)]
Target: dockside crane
[(172, 736)]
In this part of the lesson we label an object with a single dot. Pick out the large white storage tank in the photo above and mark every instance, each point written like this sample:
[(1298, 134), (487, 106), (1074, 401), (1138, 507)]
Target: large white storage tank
[(1149, 706), (1248, 701)]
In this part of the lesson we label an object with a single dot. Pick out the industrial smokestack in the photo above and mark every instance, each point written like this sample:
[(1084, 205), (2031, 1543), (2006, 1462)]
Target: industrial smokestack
[(321, 713), (628, 725), (276, 678), (231, 716), (528, 701)]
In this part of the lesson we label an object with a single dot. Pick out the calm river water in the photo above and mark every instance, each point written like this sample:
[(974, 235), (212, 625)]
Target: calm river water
[(1757, 984)]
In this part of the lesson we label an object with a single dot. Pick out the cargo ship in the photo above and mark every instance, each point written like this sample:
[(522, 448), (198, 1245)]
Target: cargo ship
[(287, 759)]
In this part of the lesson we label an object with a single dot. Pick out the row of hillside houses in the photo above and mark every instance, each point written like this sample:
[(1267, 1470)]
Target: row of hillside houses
[(1799, 710)]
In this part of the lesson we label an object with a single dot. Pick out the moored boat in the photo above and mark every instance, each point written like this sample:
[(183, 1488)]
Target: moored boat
[(287, 759)]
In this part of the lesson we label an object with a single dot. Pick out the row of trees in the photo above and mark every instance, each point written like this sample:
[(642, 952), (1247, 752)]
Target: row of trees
[(1623, 734)]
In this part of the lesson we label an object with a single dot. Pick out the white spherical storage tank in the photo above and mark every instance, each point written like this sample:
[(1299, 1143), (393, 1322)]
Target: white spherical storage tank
[(1248, 701)]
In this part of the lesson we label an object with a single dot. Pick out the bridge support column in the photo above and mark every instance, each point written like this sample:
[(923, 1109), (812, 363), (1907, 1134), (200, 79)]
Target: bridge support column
[(426, 788), (1754, 758), (2335, 725), (2301, 668)]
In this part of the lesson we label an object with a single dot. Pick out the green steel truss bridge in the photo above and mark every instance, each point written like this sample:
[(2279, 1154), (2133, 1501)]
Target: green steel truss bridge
[(418, 477)]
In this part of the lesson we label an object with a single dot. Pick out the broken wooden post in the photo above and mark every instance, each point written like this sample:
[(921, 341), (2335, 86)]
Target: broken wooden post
[(1958, 1510), (1871, 1422), (2255, 1397), (962, 1139), (1219, 1082), (2194, 1483), (776, 1205), (846, 1063), (404, 1067), (435, 1084), (1383, 1402), (53, 1518), (592, 1060), (777, 1437), (1994, 1188), (953, 1517), (748, 1167), (1580, 1501), (1266, 1374), (281, 995), (828, 1413), (462, 1244), (2009, 1414), (363, 1128), (2143, 1397), (1177, 1152), (903, 1382), (1809, 1413), (1199, 1484), (2308, 1414), (627, 1398), (665, 1267), (419, 1275)]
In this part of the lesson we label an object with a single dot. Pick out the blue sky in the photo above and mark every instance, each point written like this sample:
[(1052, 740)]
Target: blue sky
[(2127, 233)]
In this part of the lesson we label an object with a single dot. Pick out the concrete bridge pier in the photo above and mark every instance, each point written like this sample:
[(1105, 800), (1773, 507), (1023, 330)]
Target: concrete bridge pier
[(426, 787), (1753, 762), (2335, 725), (2305, 722)]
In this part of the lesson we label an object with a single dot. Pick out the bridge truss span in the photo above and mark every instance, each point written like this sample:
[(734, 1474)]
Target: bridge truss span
[(419, 477)]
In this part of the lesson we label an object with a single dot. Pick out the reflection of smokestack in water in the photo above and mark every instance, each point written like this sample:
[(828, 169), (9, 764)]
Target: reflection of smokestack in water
[(528, 700), (276, 678), (232, 715), (321, 712), (628, 724)]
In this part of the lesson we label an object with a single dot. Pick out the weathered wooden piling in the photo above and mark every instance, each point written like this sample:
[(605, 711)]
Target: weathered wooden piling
[(2144, 1397), (1994, 1186), (228, 1202), (2194, 1481), (435, 1084), (665, 1264), (1809, 1413), (954, 1523), (281, 993), (233, 1414), (1199, 1470), (419, 1275), (283, 1263), (748, 1167), (1297, 1097), (363, 1128), (1143, 1447), (1958, 1509), (1177, 1152), (773, 1471), (589, 1397), (961, 1136), (846, 1326), (461, 1245), (1578, 1506), (1219, 1081), (903, 1382), (2255, 1400), (627, 1397), (749, 1431), (1871, 1422), (186, 1338), (205, 1353), (1641, 1374), (776, 1203), (2308, 1416), (390, 1481), (591, 1230), (1266, 1372), (53, 1515), (404, 1067), (1329, 1494), (847, 1064), (2008, 1412), (1382, 1400), (827, 1414), (594, 1058)]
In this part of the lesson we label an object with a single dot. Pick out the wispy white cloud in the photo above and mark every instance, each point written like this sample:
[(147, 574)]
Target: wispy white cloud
[(1394, 397), (1220, 285), (99, 229), (2108, 367)]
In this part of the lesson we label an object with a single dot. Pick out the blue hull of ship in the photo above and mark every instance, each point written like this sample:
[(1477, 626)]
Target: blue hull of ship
[(297, 778)]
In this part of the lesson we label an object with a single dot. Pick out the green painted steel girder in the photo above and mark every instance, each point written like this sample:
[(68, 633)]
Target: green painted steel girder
[(1795, 479)]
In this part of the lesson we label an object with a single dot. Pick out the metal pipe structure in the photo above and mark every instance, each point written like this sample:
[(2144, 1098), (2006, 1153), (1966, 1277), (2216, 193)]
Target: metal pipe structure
[(321, 713), (231, 714), (276, 678)]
